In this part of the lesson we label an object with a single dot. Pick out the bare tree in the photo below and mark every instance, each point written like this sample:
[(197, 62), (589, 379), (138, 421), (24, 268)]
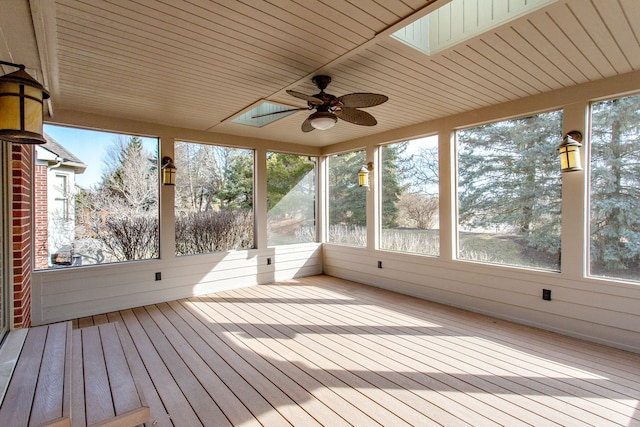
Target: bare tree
[(417, 211), (122, 212)]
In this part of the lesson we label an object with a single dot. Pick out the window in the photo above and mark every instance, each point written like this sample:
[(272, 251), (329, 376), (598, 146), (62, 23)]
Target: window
[(96, 198), (213, 198), (291, 199), (459, 20), (614, 207), (509, 194), (410, 197), (61, 197), (347, 201)]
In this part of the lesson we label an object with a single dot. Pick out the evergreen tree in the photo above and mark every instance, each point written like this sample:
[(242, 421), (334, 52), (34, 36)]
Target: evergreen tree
[(615, 180), (237, 188), (347, 201), (508, 178), (395, 168), (285, 171)]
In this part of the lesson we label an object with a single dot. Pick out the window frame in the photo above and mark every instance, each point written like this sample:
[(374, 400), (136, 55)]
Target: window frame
[(587, 157), (327, 211), (380, 206), (63, 196), (254, 195), (455, 172), (69, 199), (316, 200)]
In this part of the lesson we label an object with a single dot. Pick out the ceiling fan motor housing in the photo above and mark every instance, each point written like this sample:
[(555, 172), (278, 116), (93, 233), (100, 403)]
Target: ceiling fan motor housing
[(321, 81)]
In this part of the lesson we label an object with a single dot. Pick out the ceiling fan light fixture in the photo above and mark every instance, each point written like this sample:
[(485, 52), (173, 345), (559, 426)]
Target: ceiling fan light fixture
[(322, 120), (330, 108)]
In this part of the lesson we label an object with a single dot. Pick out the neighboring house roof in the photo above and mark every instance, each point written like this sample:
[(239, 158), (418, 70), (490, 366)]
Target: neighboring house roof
[(62, 154)]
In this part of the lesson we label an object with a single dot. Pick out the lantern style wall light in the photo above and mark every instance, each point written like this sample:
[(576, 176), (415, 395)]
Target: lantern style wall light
[(569, 152), (21, 98), (363, 175), (168, 171)]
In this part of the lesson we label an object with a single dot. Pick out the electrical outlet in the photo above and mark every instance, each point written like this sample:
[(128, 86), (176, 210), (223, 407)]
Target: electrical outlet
[(379, 264), (158, 276), (268, 261), (546, 294)]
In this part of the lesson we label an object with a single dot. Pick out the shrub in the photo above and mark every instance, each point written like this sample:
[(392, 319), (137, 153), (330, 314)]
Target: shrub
[(214, 231)]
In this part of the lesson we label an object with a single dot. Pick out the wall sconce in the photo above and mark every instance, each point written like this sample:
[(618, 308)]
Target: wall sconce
[(363, 175), (168, 171), (569, 152), (21, 99)]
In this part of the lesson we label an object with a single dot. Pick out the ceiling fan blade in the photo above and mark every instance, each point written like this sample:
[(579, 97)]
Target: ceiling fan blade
[(306, 126), (361, 100), (278, 112), (357, 117), (310, 99)]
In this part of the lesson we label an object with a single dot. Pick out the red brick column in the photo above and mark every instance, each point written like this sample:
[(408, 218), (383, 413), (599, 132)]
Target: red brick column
[(41, 219), (21, 205)]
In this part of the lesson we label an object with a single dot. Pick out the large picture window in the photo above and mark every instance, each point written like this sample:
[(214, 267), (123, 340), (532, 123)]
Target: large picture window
[(96, 198), (291, 199), (347, 201), (213, 198), (614, 207), (509, 192), (410, 196)]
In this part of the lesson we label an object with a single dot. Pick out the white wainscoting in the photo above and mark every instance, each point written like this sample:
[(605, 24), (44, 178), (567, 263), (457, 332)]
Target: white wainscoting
[(64, 294), (602, 311)]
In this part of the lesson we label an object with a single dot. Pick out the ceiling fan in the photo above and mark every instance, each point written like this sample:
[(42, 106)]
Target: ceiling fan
[(330, 108)]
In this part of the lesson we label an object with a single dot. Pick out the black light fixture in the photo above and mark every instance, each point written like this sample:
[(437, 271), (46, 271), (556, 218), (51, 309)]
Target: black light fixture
[(168, 171), (21, 98), (363, 175), (569, 152)]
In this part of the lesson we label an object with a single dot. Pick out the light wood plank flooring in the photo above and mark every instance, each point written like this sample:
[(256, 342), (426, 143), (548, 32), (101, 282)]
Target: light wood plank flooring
[(325, 351)]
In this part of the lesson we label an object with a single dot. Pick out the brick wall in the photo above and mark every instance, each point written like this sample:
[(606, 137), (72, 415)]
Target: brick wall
[(40, 216), (21, 205)]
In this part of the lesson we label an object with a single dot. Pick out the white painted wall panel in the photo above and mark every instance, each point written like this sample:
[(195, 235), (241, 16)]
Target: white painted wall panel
[(70, 293), (592, 309)]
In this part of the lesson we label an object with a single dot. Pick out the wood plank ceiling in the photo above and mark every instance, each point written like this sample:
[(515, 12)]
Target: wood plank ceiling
[(196, 64)]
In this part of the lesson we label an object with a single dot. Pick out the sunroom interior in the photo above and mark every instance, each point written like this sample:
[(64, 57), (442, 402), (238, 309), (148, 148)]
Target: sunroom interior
[(185, 71)]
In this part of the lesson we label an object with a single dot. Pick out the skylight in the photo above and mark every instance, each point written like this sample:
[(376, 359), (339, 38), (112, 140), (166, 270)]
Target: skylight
[(247, 118), (460, 20)]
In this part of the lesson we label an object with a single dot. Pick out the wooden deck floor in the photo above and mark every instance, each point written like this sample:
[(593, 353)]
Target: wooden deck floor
[(325, 351)]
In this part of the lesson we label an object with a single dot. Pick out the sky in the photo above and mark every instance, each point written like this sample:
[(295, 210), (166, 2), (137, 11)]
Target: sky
[(90, 147)]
